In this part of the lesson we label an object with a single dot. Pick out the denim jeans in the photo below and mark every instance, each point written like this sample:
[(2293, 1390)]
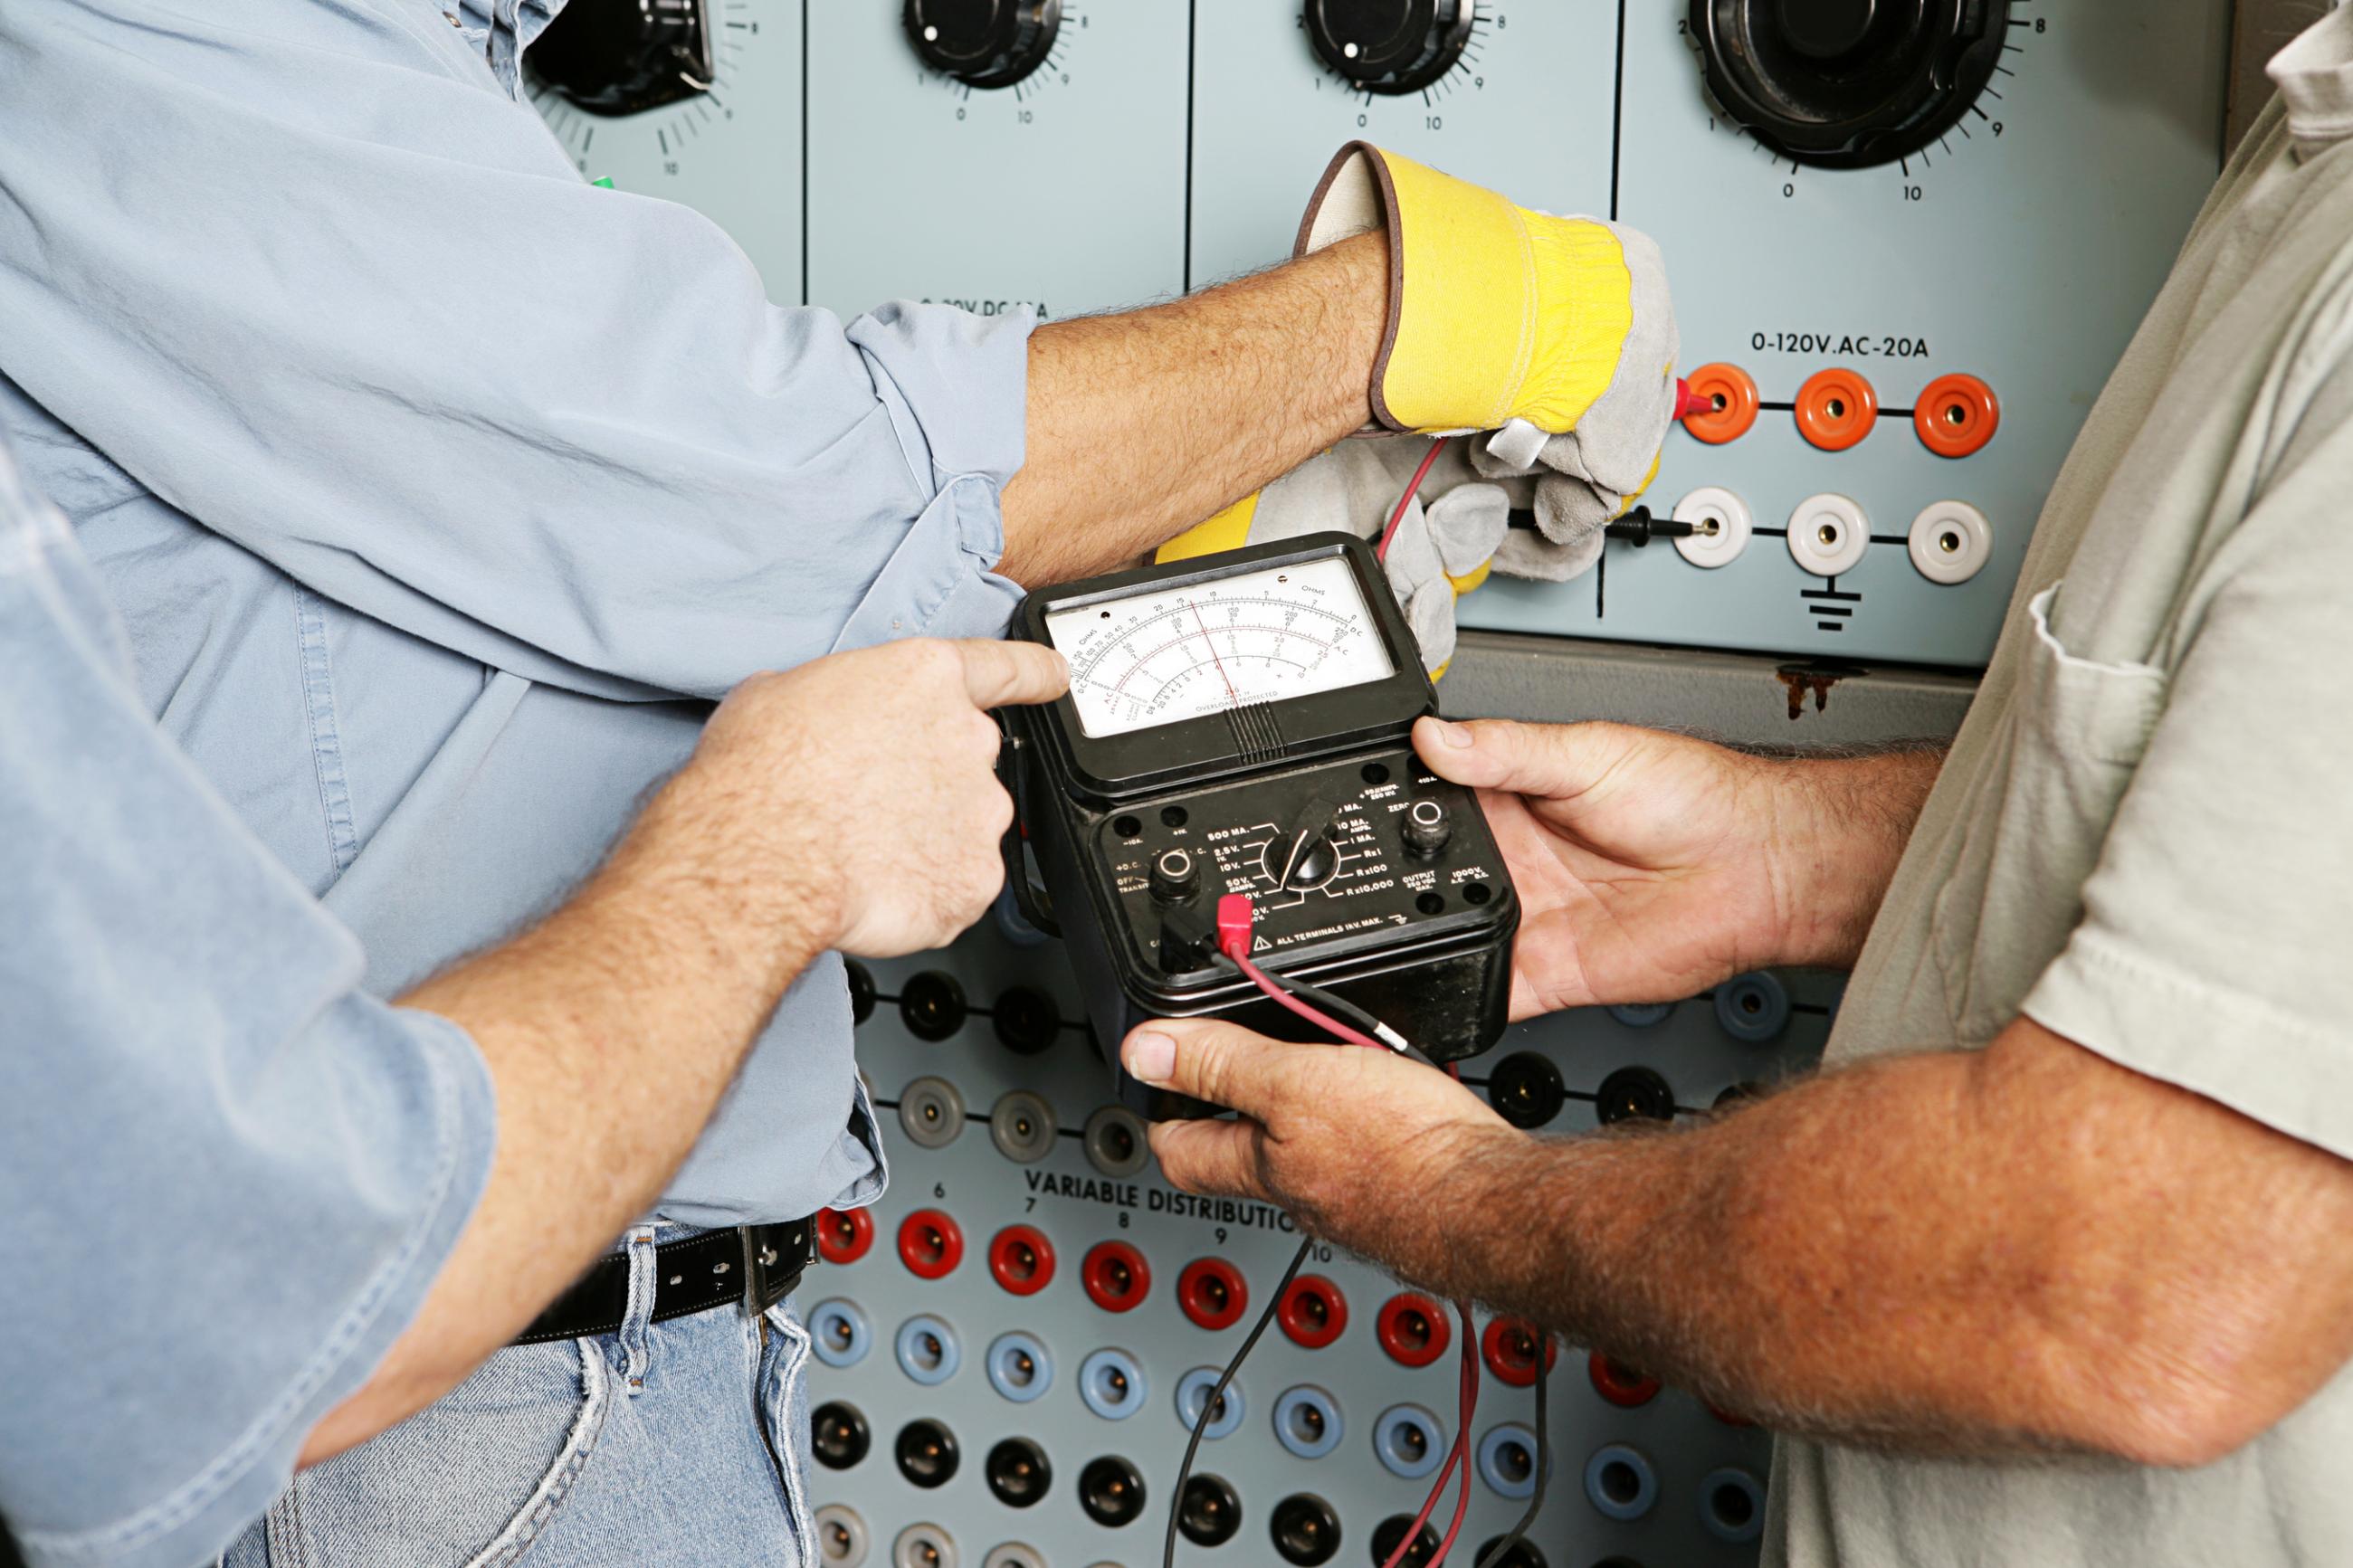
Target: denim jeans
[(683, 1442)]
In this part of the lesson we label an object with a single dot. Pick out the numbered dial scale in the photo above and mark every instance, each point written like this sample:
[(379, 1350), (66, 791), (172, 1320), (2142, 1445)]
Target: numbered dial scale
[(1242, 723)]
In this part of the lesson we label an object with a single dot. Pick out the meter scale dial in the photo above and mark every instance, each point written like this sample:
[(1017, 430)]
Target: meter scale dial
[(1176, 653), (1397, 48), (1854, 84), (631, 103)]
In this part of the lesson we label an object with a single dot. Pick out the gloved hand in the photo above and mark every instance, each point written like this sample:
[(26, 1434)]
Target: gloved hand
[(1439, 551), (1554, 335), (1504, 320)]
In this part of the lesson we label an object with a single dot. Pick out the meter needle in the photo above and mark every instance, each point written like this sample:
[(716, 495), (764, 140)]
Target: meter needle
[(1233, 698)]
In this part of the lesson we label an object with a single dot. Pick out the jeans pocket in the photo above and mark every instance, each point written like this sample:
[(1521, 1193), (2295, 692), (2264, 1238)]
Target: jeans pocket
[(470, 1483)]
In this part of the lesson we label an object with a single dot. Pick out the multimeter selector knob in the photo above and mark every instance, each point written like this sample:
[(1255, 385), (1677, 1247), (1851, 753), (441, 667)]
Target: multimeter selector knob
[(620, 57), (1302, 863), (1389, 45), (1849, 83), (1175, 876), (1306, 856), (984, 43), (1426, 828)]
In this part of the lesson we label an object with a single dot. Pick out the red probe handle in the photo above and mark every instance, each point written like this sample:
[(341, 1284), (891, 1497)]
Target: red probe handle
[(1688, 402), (1234, 916)]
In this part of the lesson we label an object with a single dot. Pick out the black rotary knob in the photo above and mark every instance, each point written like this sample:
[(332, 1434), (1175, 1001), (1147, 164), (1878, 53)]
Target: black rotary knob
[(618, 56), (1426, 829), (1175, 876), (1389, 45), (1301, 862), (1845, 84), (984, 43), (1306, 856)]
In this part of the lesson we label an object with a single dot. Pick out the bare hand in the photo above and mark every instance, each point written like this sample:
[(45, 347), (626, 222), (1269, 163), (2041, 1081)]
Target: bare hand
[(1345, 1138), (876, 771), (1648, 865)]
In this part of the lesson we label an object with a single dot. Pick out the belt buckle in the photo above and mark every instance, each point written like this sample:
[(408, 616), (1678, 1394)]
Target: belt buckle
[(768, 1271)]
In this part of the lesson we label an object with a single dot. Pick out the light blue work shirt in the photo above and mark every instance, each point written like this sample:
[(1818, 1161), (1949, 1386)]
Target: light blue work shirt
[(431, 479), (229, 1176)]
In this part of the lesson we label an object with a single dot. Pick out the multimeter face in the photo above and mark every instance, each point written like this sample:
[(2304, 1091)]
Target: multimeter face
[(1164, 654)]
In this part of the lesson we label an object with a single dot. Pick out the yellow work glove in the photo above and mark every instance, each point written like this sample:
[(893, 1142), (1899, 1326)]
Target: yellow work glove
[(1440, 551), (1504, 320)]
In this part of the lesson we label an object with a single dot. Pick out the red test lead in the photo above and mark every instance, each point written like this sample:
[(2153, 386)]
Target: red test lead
[(1234, 916)]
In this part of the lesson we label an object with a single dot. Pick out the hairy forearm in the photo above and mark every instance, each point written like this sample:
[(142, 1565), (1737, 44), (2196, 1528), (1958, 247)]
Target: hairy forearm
[(643, 991), (1142, 424), (2025, 1249), (1771, 1262), (1839, 825)]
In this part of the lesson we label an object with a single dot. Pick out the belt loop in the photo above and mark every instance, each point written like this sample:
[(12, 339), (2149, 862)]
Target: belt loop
[(636, 1347)]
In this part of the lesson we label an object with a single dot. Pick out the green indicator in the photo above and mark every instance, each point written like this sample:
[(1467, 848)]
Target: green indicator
[(605, 183)]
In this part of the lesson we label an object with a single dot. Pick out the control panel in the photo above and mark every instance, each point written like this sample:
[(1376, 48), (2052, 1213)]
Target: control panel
[(1907, 244), (1013, 1342), (1908, 241)]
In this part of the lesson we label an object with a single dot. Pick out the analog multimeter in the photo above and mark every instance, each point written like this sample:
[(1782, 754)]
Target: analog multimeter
[(1240, 723)]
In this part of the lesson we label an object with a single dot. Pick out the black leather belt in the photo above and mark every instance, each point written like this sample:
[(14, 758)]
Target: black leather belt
[(756, 1266)]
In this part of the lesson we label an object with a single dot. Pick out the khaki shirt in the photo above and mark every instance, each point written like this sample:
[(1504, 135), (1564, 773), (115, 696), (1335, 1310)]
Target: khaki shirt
[(2144, 836)]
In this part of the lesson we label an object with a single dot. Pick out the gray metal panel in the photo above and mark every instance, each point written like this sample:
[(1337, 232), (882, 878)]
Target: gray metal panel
[(2025, 259), (1528, 110), (1065, 190), (734, 154), (982, 1190), (1740, 699)]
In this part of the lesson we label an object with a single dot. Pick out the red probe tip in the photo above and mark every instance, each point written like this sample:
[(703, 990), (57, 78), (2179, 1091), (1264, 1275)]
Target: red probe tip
[(1234, 915), (1688, 402)]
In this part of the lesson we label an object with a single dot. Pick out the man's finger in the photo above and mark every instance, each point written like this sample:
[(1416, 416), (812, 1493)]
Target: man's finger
[(1550, 762), (1219, 1062), (1216, 1157), (997, 671)]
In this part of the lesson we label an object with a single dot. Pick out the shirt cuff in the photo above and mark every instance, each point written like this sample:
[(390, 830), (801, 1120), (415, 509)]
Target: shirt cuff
[(956, 387), (857, 1170), (2230, 1047)]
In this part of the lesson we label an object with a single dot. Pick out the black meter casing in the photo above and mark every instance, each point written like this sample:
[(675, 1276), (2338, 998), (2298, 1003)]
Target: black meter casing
[(1419, 935)]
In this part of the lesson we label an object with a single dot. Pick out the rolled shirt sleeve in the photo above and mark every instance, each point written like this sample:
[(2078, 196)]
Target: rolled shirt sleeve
[(2213, 950), (230, 1177), (331, 292)]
